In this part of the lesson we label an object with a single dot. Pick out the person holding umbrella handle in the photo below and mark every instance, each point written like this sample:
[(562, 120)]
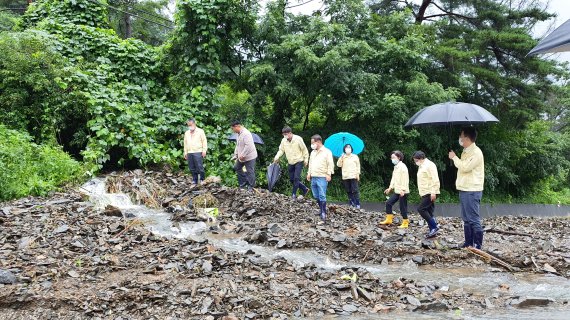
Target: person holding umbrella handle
[(350, 164), (400, 184), (469, 183)]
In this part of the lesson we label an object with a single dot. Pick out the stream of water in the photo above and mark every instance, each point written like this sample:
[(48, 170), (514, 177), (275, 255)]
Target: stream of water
[(471, 280)]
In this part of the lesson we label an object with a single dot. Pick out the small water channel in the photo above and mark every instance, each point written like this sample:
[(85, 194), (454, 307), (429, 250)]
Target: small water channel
[(471, 280)]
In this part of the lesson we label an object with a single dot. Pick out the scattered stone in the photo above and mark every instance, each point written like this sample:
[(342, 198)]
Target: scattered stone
[(413, 300), (349, 308), (112, 211), (61, 229), (7, 277), (532, 302)]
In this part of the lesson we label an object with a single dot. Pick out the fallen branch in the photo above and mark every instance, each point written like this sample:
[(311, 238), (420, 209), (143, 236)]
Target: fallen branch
[(489, 258), (512, 233)]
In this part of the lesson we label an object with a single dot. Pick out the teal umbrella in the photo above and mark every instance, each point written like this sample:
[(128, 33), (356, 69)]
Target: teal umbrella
[(337, 141)]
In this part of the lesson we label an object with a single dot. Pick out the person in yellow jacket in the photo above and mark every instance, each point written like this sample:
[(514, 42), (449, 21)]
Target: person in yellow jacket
[(195, 148), (297, 156), (400, 184), (350, 164), (470, 181), (321, 169), (428, 187)]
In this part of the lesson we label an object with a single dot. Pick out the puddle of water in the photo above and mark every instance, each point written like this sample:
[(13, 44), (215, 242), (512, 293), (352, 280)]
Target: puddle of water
[(470, 279)]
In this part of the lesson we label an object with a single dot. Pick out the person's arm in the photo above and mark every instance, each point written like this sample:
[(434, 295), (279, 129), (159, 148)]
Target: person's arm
[(434, 179), (186, 144), (405, 181), (340, 161), (305, 151), (330, 163), (309, 170), (279, 152), (204, 142), (247, 145), (466, 166)]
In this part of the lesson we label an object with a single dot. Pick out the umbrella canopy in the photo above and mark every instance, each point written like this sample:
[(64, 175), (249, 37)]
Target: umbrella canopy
[(451, 113), (557, 41), (337, 141), (256, 139), (273, 175)]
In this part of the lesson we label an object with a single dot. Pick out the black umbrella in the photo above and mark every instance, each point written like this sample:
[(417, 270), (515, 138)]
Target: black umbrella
[(273, 175), (449, 114), (557, 41), (256, 139)]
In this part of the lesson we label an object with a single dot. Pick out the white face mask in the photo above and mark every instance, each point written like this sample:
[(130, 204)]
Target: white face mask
[(395, 161), (461, 142), (348, 151), (313, 146), (192, 128)]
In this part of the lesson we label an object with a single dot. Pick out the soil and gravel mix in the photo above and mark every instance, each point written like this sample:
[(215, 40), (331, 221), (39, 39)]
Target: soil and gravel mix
[(63, 258)]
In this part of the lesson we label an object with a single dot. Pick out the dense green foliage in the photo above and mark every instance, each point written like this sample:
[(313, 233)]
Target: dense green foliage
[(357, 66), (27, 168)]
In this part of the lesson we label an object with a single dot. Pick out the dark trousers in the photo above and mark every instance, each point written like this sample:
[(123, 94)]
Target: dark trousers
[(295, 171), (245, 179), (470, 202), (426, 208), (196, 166), (403, 204), (351, 187)]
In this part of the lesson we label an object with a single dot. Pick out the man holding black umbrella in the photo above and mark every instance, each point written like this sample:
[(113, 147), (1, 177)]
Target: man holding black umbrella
[(470, 180), (297, 155)]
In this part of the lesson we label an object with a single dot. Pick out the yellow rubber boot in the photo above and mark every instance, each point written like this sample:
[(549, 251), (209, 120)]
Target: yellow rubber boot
[(405, 224), (388, 219)]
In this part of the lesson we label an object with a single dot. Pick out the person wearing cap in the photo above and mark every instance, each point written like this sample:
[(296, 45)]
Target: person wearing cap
[(295, 150), (470, 181), (245, 155), (321, 168), (428, 187), (400, 184), (350, 164), (195, 148)]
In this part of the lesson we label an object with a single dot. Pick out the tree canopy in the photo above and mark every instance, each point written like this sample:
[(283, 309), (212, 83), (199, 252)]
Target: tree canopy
[(113, 82)]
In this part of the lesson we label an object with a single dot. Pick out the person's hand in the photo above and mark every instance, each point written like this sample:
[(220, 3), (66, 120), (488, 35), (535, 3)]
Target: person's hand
[(387, 190), (185, 156), (204, 154), (451, 154), (358, 178), (242, 159), (309, 177), (306, 163), (275, 160), (402, 194), (233, 157), (433, 197), (328, 177)]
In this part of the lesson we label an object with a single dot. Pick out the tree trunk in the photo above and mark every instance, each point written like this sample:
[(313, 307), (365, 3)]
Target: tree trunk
[(128, 26), (422, 11)]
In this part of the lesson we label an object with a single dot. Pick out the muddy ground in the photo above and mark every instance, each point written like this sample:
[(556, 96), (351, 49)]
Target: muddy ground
[(61, 258)]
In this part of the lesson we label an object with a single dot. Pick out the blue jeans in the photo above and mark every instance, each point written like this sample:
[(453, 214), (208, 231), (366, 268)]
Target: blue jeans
[(470, 202), (319, 188)]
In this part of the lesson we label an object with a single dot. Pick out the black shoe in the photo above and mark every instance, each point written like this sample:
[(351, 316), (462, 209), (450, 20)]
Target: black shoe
[(432, 233)]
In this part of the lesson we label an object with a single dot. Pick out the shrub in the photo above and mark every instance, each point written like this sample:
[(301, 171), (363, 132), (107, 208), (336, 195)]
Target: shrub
[(27, 168)]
